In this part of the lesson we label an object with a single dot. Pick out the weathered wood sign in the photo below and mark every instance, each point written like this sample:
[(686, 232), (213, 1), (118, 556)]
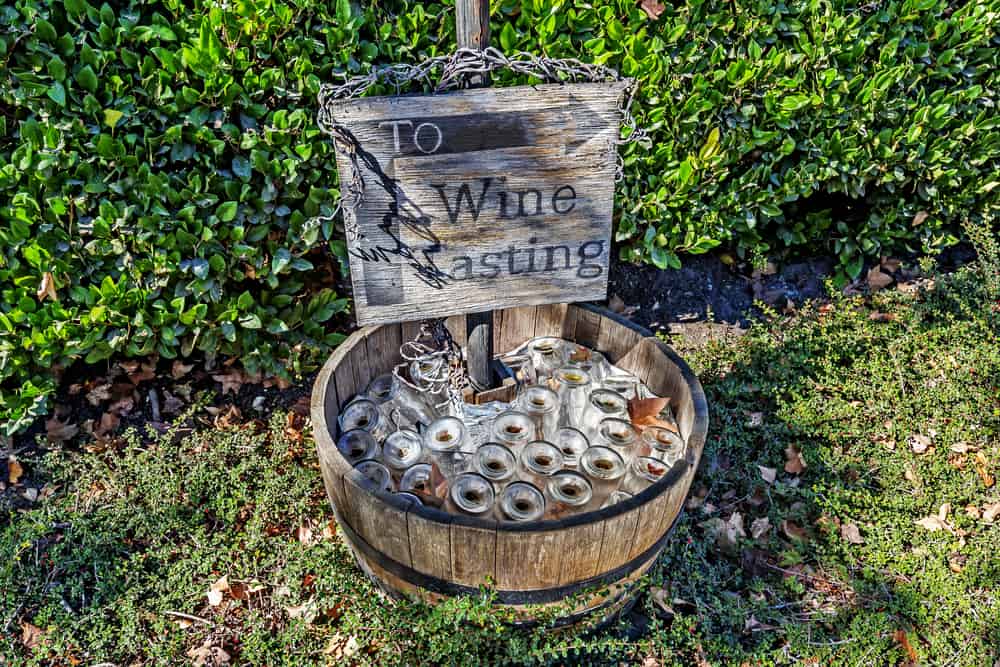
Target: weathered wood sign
[(481, 199)]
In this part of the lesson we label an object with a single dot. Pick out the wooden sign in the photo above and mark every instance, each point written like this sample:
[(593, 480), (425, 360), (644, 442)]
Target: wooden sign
[(481, 199)]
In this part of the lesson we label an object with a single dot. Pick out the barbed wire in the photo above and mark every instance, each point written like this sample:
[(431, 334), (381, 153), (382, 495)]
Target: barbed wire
[(451, 72)]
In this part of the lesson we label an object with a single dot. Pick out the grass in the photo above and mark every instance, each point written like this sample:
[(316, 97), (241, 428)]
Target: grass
[(116, 562)]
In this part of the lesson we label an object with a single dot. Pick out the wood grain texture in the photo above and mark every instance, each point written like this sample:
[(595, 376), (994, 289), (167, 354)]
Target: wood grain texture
[(619, 535), (581, 552), (518, 327), (430, 546), (616, 340), (382, 346), (482, 199), (380, 524), (588, 328), (550, 319), (473, 555), (529, 560)]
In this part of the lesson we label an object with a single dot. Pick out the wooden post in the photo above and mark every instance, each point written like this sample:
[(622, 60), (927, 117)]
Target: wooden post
[(472, 27)]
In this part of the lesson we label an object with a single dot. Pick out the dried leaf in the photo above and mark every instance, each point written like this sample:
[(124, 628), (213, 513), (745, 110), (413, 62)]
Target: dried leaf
[(57, 430), (208, 654), (662, 602), (107, 427), (232, 380), (795, 464), (991, 512), (851, 533), (890, 264), (726, 534), (653, 8), (982, 467), (171, 404), (47, 288), (878, 280), (341, 648), (919, 218), (760, 527), (615, 304), (646, 412), (14, 470), (793, 530), (919, 443), (99, 394), (580, 354), (768, 474), (230, 417), (305, 534), (932, 523), (877, 316), (900, 637), (179, 369), (31, 635), (217, 591)]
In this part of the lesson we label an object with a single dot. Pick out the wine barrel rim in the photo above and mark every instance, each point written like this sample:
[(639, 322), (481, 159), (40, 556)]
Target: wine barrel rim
[(698, 431)]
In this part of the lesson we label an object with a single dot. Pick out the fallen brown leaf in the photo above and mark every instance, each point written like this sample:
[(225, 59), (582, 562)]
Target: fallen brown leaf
[(57, 430), (171, 404), (725, 533), (179, 369), (99, 393), (231, 416), (231, 379), (47, 288), (795, 463), (877, 316), (760, 527), (616, 304), (646, 412), (890, 264), (14, 470), (208, 654), (919, 218), (878, 280), (31, 635), (919, 443), (900, 637), (982, 467), (768, 474), (216, 592), (793, 530), (851, 533), (991, 512), (653, 8)]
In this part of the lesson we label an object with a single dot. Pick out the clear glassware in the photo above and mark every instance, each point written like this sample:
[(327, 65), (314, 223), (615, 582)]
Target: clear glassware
[(357, 445), (398, 402), (541, 404), (663, 444), (573, 388), (619, 435), (406, 495), (605, 469), (521, 501), (643, 472), (470, 494), (376, 475), (402, 450), (417, 480), (538, 461), (572, 443), (513, 429), (602, 404), (496, 463), (626, 385), (521, 367), (447, 444), (618, 496), (546, 355), (569, 489), (590, 361), (363, 414), (433, 373)]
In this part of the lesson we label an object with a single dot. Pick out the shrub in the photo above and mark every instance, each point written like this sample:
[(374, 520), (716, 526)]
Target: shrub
[(159, 162)]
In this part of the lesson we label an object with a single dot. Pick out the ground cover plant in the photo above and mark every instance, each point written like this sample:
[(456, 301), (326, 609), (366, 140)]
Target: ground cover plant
[(846, 512), (161, 169)]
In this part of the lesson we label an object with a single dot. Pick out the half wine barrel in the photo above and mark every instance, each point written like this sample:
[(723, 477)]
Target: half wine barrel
[(569, 568)]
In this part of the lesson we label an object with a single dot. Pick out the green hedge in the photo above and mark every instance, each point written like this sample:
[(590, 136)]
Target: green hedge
[(160, 160)]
